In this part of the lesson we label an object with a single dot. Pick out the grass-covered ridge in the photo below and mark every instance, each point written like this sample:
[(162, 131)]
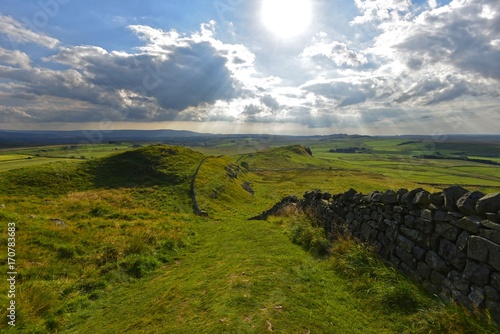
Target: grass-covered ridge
[(132, 257)]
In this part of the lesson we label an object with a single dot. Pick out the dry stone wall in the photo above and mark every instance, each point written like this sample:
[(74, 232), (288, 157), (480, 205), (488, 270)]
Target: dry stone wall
[(449, 241)]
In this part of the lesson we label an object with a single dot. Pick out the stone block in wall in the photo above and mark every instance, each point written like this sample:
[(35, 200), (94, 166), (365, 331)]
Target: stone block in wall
[(436, 262), (489, 203), (438, 278), (426, 214), (481, 249), (422, 198), (410, 272), (382, 238), (495, 280), (348, 195), (467, 203), (411, 234), (477, 273), (447, 230), (391, 233), (419, 253), (405, 243), (462, 240), (397, 209), (494, 308), (459, 282), (349, 217), (451, 196), (423, 270), (442, 216), (406, 257), (410, 221), (398, 217), (400, 193), (390, 197), (461, 299), (469, 223), (491, 225), (406, 199), (491, 235), (492, 293), (450, 252), (493, 217), (366, 232), (437, 199), (424, 225), (477, 297)]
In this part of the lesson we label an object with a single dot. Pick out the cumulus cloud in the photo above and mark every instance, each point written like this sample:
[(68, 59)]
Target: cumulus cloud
[(16, 32), (337, 52), (15, 58), (168, 75)]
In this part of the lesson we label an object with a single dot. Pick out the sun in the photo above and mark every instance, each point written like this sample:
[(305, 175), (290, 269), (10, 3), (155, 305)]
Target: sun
[(286, 18)]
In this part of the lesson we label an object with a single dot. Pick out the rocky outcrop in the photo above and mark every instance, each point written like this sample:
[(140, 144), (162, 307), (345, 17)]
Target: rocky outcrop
[(448, 241)]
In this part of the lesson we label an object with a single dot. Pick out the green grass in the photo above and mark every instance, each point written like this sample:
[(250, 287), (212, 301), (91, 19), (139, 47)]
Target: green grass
[(132, 257)]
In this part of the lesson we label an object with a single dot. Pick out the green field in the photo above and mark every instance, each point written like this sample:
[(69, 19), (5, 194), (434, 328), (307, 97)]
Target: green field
[(110, 243)]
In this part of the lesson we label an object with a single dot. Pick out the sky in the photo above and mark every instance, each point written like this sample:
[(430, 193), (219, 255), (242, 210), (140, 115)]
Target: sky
[(299, 67)]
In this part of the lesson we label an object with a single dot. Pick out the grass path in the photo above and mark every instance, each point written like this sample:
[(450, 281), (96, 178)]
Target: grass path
[(239, 277)]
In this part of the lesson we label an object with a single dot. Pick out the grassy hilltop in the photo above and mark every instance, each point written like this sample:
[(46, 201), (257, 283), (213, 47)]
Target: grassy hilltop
[(112, 244)]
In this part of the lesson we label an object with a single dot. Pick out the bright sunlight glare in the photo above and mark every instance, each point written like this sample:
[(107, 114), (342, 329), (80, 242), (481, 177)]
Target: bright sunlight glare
[(286, 18)]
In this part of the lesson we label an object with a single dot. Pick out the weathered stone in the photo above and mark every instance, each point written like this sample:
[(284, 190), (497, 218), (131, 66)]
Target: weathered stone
[(451, 196), (419, 253), (410, 221), (493, 217), (462, 240), (400, 193), (407, 199), (452, 254), (421, 198), (397, 209), (406, 257), (437, 199), (348, 195), (492, 293), (442, 216), (424, 225), (349, 217), (437, 278), (326, 196), (411, 233), (405, 243), (458, 282), (366, 231), (484, 250), (426, 214), (491, 225), (436, 262), (476, 273), (423, 270), (391, 233), (467, 203), (495, 280), (494, 308), (390, 197), (471, 224), (490, 235), (477, 297), (446, 230), (375, 196), (489, 203)]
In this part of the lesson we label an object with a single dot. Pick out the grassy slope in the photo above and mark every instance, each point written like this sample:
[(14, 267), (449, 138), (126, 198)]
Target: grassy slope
[(124, 216), (234, 276)]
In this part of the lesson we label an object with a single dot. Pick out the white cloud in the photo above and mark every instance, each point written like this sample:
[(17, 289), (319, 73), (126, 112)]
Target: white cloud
[(337, 52), (18, 33)]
